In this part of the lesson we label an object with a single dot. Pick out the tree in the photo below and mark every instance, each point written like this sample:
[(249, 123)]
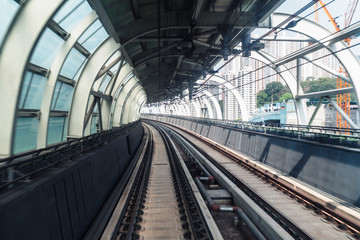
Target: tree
[(261, 98), (321, 84), (273, 91), (285, 97)]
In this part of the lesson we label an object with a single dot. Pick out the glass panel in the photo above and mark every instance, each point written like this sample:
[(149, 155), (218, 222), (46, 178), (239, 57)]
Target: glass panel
[(94, 124), (66, 9), (72, 13), (46, 49), (56, 129), (61, 101), (104, 83), (78, 73), (33, 95), (95, 40), (90, 31), (65, 129), (24, 89), (7, 11), (72, 64), (25, 134), (55, 95)]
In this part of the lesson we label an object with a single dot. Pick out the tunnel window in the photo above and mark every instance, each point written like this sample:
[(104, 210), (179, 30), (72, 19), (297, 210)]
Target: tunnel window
[(72, 13), (46, 49), (94, 120), (93, 36), (32, 91), (25, 134), (72, 64), (104, 83), (62, 97), (57, 129), (8, 10)]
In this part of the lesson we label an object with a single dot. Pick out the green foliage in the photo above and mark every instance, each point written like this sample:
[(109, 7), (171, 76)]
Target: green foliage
[(273, 90), (261, 98), (321, 84), (285, 97)]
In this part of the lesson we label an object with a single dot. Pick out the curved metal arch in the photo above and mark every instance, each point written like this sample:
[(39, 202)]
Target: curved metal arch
[(128, 94), (197, 108), (14, 57), (208, 105), (315, 31), (183, 109), (54, 74), (133, 116), (133, 112), (84, 84), (139, 105), (162, 109), (186, 107), (178, 109), (216, 104), (286, 75), (120, 100), (130, 102), (235, 92), (172, 108)]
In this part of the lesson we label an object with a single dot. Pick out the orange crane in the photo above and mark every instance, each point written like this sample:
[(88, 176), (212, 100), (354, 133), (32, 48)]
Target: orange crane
[(343, 100)]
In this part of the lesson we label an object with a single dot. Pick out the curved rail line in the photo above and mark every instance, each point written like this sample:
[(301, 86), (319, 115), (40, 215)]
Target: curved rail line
[(342, 222), (158, 202)]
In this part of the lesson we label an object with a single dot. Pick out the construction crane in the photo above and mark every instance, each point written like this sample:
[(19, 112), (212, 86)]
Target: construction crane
[(343, 100)]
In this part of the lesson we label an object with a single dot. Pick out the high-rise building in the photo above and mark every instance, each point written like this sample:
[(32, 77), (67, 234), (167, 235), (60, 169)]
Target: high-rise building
[(247, 88), (231, 107)]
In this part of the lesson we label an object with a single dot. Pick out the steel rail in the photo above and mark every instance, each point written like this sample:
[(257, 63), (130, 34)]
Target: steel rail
[(196, 220), (343, 222)]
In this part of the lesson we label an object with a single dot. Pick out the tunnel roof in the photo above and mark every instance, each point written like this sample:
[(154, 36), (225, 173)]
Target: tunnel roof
[(171, 50)]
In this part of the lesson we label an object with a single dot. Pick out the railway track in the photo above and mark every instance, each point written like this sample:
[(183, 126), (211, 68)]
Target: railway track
[(301, 216), (184, 187), (159, 202)]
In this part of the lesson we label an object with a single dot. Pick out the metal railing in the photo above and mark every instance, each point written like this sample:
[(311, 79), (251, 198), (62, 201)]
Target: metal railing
[(25, 166), (331, 135)]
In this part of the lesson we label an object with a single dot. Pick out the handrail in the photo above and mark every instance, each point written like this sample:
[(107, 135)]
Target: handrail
[(332, 135), (31, 163)]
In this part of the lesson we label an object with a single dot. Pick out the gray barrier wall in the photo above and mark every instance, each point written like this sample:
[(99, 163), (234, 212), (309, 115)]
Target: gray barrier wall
[(63, 203), (335, 170)]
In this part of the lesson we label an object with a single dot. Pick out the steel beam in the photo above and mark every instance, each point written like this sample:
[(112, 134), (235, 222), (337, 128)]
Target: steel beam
[(315, 111), (326, 93), (342, 113), (327, 41), (120, 101), (101, 95), (327, 69)]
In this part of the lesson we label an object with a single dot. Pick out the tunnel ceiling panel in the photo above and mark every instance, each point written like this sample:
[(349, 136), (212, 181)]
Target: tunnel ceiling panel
[(173, 42)]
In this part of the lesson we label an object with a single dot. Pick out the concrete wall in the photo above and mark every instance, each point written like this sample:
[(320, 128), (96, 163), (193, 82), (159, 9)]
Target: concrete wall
[(335, 170), (62, 204)]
